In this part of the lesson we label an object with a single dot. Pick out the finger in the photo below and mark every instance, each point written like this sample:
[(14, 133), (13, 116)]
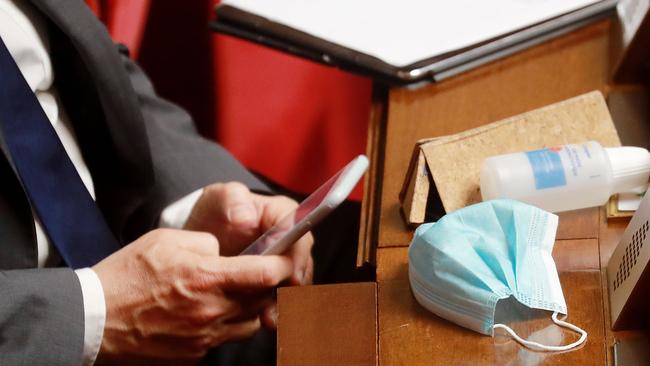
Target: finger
[(158, 360), (300, 253), (163, 346), (233, 204), (274, 209), (251, 304), (250, 272), (198, 312), (196, 345), (201, 243), (194, 241), (237, 331), (308, 278), (269, 316)]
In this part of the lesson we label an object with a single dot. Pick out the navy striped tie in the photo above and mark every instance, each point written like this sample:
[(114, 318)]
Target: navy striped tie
[(68, 213)]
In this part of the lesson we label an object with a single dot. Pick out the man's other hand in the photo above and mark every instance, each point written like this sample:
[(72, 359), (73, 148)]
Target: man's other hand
[(236, 216), (170, 296)]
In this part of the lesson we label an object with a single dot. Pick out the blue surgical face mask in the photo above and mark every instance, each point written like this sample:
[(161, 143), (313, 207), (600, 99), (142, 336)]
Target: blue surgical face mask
[(462, 265)]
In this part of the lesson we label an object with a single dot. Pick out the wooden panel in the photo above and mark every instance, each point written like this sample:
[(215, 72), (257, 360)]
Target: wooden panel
[(411, 335), (578, 224), (369, 225), (576, 255), (328, 325), (559, 69), (569, 255), (392, 264)]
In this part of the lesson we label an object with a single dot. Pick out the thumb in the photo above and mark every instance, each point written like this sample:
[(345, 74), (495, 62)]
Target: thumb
[(234, 204)]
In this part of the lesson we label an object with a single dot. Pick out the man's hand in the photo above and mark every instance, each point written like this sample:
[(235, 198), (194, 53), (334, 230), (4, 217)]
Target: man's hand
[(236, 216), (170, 297)]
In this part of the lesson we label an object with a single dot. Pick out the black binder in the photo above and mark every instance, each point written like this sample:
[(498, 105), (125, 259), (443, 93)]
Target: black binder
[(242, 24)]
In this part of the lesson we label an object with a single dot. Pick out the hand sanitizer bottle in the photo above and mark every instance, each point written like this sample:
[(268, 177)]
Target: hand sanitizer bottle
[(567, 177)]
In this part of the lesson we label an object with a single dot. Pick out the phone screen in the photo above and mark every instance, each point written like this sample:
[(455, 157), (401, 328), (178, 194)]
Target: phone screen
[(293, 226)]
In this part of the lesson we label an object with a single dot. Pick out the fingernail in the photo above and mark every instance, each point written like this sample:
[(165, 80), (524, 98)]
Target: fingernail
[(301, 276), (274, 314), (242, 214)]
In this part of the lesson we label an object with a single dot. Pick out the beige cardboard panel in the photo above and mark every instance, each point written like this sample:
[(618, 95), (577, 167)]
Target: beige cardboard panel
[(416, 189), (554, 71), (455, 161)]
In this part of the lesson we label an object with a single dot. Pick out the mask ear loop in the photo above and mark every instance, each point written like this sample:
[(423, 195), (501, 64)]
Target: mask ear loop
[(541, 347)]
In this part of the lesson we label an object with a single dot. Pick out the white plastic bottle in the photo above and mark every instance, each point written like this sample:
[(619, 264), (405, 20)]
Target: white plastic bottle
[(567, 177)]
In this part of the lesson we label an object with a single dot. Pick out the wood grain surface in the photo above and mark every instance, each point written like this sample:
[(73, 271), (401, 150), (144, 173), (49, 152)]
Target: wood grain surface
[(411, 335), (381, 323), (328, 325), (545, 74)]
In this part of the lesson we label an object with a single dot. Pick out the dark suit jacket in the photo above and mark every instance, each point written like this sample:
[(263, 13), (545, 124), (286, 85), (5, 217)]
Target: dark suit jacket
[(143, 153)]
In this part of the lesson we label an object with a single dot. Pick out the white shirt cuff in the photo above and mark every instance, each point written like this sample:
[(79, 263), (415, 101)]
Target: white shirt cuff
[(175, 215), (94, 313)]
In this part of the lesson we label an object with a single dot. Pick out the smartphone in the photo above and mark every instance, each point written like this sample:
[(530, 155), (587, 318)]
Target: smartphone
[(311, 211)]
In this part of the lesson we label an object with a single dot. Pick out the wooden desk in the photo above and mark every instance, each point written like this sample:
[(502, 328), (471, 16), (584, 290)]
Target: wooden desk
[(407, 333)]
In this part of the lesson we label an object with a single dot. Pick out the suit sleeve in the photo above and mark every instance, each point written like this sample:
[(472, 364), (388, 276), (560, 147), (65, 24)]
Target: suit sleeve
[(183, 161), (41, 317)]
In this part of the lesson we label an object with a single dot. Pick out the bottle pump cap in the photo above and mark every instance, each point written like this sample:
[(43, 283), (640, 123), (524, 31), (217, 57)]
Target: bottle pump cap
[(630, 168)]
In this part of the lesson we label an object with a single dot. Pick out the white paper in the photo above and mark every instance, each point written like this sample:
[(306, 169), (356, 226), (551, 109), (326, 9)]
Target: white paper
[(403, 32)]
